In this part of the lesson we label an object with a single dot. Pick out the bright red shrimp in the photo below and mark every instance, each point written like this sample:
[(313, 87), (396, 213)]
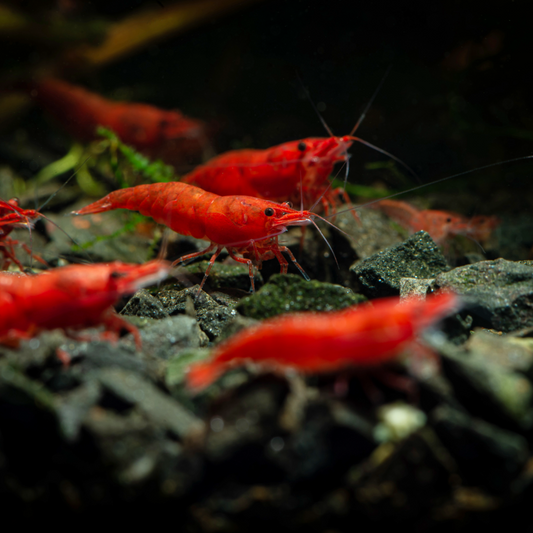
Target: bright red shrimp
[(441, 225), (241, 224), (361, 336), (13, 216), (296, 171), (71, 297), (291, 171), (275, 173), (147, 128)]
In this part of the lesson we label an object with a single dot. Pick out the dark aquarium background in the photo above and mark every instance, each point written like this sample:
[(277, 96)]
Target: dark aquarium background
[(458, 94)]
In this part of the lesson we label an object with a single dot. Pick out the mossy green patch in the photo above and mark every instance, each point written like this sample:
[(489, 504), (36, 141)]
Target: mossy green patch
[(289, 293)]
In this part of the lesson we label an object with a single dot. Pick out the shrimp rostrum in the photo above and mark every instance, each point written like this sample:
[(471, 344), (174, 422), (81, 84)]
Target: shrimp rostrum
[(243, 225)]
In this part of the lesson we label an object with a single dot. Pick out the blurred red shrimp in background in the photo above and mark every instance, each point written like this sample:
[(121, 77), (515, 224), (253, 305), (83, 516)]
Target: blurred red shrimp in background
[(153, 131), (480, 227), (441, 225)]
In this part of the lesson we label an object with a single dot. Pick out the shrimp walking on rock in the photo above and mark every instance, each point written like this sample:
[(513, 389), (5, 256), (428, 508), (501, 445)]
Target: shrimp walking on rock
[(362, 336), (242, 224), (295, 171), (72, 297)]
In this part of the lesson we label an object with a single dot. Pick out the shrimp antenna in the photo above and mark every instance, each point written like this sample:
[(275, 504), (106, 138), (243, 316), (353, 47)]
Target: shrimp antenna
[(333, 225), (164, 244), (327, 242), (324, 237), (330, 184), (347, 161), (324, 192), (69, 178), (371, 101), (366, 143), (514, 160), (63, 231), (301, 190), (388, 154), (51, 221), (476, 241), (328, 129), (358, 123)]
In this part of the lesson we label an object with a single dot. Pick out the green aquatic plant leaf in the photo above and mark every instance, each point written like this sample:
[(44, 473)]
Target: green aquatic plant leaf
[(361, 191), (155, 171), (76, 155)]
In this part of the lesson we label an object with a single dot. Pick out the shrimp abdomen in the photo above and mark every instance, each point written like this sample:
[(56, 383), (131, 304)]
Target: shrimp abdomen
[(179, 206)]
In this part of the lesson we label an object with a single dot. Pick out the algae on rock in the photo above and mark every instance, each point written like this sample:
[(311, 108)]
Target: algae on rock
[(287, 293)]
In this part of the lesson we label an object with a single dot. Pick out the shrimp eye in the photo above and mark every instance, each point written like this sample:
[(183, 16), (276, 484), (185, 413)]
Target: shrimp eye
[(302, 146), (116, 275), (449, 219), (269, 211)]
